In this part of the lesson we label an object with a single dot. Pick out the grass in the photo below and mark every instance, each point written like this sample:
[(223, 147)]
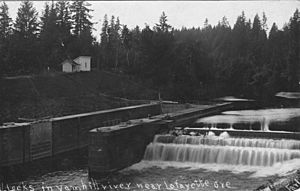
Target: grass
[(59, 94)]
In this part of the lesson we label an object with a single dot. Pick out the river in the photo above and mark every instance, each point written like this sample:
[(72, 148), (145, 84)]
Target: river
[(185, 162)]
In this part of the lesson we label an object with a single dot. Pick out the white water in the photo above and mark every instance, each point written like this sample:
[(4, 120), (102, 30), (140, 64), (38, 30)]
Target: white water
[(224, 135), (225, 140), (219, 154), (280, 169), (262, 157), (263, 116), (219, 150)]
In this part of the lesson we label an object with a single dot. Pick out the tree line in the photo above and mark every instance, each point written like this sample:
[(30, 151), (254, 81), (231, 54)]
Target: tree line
[(246, 59), (33, 44)]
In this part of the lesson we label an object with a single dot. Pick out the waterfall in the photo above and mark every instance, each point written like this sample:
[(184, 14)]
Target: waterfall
[(228, 141), (223, 150)]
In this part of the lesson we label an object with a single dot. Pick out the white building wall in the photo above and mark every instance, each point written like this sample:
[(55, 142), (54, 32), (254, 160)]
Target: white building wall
[(67, 67), (85, 63)]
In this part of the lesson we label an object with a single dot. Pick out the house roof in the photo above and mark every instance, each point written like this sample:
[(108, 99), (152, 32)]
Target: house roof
[(83, 57), (70, 62)]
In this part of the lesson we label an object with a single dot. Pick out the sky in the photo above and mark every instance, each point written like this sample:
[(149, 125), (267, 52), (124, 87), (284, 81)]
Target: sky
[(181, 13)]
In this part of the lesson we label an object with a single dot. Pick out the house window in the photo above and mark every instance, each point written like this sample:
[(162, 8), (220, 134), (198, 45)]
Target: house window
[(85, 65)]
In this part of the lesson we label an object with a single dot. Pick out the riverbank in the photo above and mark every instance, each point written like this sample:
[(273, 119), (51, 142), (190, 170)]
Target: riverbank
[(59, 94), (287, 183)]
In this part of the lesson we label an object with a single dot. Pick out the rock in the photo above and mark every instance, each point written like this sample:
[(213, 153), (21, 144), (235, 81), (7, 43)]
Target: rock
[(289, 183)]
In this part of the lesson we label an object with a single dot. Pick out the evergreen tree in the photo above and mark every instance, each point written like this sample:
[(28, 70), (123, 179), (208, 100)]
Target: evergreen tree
[(81, 17), (163, 25), (136, 51), (239, 67), (264, 22), (50, 39), (117, 45), (183, 63), (225, 22), (83, 41), (126, 38), (64, 22), (157, 49), (207, 26), (45, 17), (5, 32), (241, 36), (207, 34), (294, 52), (114, 41), (276, 64), (25, 52), (257, 27), (5, 21), (26, 25), (258, 42), (104, 42), (104, 31)]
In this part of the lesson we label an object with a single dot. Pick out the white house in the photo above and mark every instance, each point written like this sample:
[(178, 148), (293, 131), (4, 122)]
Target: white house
[(81, 63), (84, 62), (70, 66)]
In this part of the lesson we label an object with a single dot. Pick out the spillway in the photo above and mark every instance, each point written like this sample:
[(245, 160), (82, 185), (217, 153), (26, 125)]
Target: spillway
[(221, 150)]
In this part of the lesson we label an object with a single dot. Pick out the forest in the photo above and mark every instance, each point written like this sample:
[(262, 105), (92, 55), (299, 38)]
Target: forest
[(248, 59)]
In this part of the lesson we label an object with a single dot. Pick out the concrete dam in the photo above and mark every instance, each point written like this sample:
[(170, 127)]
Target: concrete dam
[(27, 142), (119, 146), (116, 147), (217, 133)]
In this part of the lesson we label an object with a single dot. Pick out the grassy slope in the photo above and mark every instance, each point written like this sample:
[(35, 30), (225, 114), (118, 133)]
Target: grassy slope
[(63, 94)]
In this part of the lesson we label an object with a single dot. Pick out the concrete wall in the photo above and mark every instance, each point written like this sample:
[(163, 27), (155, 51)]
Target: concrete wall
[(40, 139), (71, 132), (119, 149), (14, 144), (32, 141)]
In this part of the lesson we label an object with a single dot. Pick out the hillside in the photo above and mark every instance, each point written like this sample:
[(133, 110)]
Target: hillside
[(62, 94)]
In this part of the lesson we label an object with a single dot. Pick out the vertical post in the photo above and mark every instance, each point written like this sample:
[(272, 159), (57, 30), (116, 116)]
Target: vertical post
[(160, 102)]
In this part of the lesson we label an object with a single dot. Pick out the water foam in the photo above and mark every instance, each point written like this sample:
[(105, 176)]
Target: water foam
[(280, 169), (263, 116), (261, 157), (253, 156), (225, 140)]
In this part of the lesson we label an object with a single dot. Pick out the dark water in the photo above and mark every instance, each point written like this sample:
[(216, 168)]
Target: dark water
[(147, 178)]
